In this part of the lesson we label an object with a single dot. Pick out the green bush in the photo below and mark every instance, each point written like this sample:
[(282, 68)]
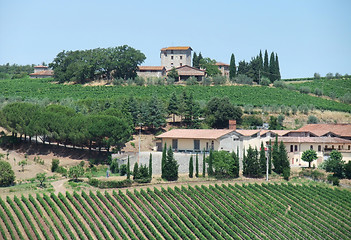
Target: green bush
[(219, 80), (334, 180), (286, 173), (305, 90), (243, 79), (62, 171), (191, 81), (143, 180), (54, 165), (265, 81), (318, 92), (279, 84), (7, 175), (110, 184), (123, 169), (312, 119), (114, 166)]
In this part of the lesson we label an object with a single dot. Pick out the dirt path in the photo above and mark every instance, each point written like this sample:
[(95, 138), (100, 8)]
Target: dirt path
[(59, 186)]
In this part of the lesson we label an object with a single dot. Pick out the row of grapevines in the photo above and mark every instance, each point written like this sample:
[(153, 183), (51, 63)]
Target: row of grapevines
[(12, 219)]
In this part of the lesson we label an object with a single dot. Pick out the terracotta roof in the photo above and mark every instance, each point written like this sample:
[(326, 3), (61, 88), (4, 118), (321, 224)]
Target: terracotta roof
[(343, 130), (189, 71), (151, 68), (41, 66), (221, 64), (195, 133), (247, 132), (43, 73), (278, 132), (321, 140), (176, 48)]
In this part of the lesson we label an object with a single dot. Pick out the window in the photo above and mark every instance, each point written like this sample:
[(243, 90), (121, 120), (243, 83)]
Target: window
[(172, 57), (175, 144), (181, 57), (196, 144), (326, 146), (319, 148), (171, 64), (349, 147), (339, 147), (311, 147), (332, 146), (291, 148), (181, 64), (212, 145), (171, 51), (295, 148)]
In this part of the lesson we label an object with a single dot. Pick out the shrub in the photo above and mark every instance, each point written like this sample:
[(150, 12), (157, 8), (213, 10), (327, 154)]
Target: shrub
[(219, 80), (109, 184), (191, 81), (279, 84), (338, 75), (159, 81), (123, 169), (286, 173), (7, 175), (170, 81), (312, 119), (265, 81), (118, 81), (305, 90), (329, 75), (318, 92), (347, 170), (334, 180), (206, 81), (317, 76), (76, 172), (62, 170), (291, 87), (82, 163), (114, 166), (346, 98), (243, 79), (143, 180), (139, 81)]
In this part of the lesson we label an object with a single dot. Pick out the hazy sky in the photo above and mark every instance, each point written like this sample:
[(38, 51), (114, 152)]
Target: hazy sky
[(309, 36)]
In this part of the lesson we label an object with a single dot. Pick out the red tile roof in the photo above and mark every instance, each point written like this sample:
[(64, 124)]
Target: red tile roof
[(176, 48), (321, 140), (41, 66), (43, 73), (221, 64), (151, 68), (278, 132), (343, 130), (247, 132), (189, 71), (195, 133)]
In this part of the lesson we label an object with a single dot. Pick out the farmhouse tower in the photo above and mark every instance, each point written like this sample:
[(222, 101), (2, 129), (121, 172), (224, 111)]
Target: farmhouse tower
[(175, 57)]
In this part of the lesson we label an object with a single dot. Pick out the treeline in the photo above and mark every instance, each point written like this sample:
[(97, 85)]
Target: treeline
[(258, 68), (101, 63), (15, 71)]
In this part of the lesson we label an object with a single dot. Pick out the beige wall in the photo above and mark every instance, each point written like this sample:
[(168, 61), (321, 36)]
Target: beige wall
[(188, 144), (166, 58), (146, 74)]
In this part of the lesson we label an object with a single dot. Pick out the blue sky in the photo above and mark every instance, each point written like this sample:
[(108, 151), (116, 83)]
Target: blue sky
[(308, 36)]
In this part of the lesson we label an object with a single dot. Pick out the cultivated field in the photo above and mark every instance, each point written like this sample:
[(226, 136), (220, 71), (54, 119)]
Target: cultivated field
[(267, 211)]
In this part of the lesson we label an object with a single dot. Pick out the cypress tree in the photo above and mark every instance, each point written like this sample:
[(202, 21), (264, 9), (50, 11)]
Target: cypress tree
[(195, 61), (170, 167), (199, 58), (244, 163), (150, 166), (283, 155), (266, 64), (277, 70), (275, 156), (263, 160), (210, 161), (163, 160), (128, 169), (197, 165), (270, 157), (191, 167), (260, 58), (135, 171), (203, 164), (235, 166), (232, 68), (173, 105), (272, 68)]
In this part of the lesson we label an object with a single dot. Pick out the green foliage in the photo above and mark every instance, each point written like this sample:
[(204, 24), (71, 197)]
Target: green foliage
[(41, 177), (191, 167), (219, 111), (23, 163), (210, 164), (135, 171), (243, 79), (54, 164), (173, 73), (114, 166), (335, 164), (150, 166), (128, 169), (334, 180), (210, 66), (312, 119), (196, 165), (305, 90), (274, 124), (110, 184), (191, 81), (265, 81), (232, 68), (203, 164), (76, 172), (279, 84), (347, 170), (219, 80), (252, 164), (170, 169), (286, 173), (7, 175), (163, 160), (263, 160), (309, 156), (123, 169), (85, 65)]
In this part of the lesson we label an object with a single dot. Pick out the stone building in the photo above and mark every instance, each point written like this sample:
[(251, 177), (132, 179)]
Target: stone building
[(151, 71), (184, 72), (42, 72), (175, 57), (224, 68)]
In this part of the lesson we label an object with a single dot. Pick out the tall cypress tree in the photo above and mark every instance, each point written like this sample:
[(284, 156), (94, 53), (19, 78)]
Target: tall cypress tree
[(170, 167), (135, 171), (128, 169), (195, 61), (210, 167), (191, 167), (283, 155), (260, 61), (199, 58), (277, 70), (266, 64), (263, 160), (272, 68), (232, 67), (276, 157), (203, 164), (244, 163), (235, 166), (197, 165), (163, 160), (270, 157), (150, 166)]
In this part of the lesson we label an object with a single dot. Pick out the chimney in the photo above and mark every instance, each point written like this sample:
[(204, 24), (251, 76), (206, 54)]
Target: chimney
[(232, 124)]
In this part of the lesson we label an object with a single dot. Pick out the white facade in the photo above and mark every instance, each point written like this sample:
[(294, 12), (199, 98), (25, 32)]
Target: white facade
[(175, 57)]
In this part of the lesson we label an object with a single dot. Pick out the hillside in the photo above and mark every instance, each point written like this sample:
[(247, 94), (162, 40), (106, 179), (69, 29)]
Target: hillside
[(251, 211), (40, 90)]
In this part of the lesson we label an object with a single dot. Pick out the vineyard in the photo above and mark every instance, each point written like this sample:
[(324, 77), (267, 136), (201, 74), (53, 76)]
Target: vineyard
[(43, 89), (267, 211)]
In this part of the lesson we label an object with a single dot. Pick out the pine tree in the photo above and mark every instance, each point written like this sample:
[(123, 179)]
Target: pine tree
[(277, 70), (270, 157), (272, 68), (163, 160), (263, 160), (276, 157), (197, 165), (195, 61), (232, 68), (135, 171), (156, 113), (150, 166), (203, 164), (191, 167), (266, 64), (173, 105), (170, 167), (210, 167), (128, 169)]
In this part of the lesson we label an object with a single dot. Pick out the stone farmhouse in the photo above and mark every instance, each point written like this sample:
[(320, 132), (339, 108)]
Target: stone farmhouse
[(42, 72), (178, 57), (323, 138)]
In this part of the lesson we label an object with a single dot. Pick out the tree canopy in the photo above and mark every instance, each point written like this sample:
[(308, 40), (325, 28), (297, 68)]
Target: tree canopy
[(309, 156), (7, 175)]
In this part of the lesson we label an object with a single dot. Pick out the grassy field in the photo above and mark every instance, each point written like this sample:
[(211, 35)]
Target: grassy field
[(44, 90), (253, 211)]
